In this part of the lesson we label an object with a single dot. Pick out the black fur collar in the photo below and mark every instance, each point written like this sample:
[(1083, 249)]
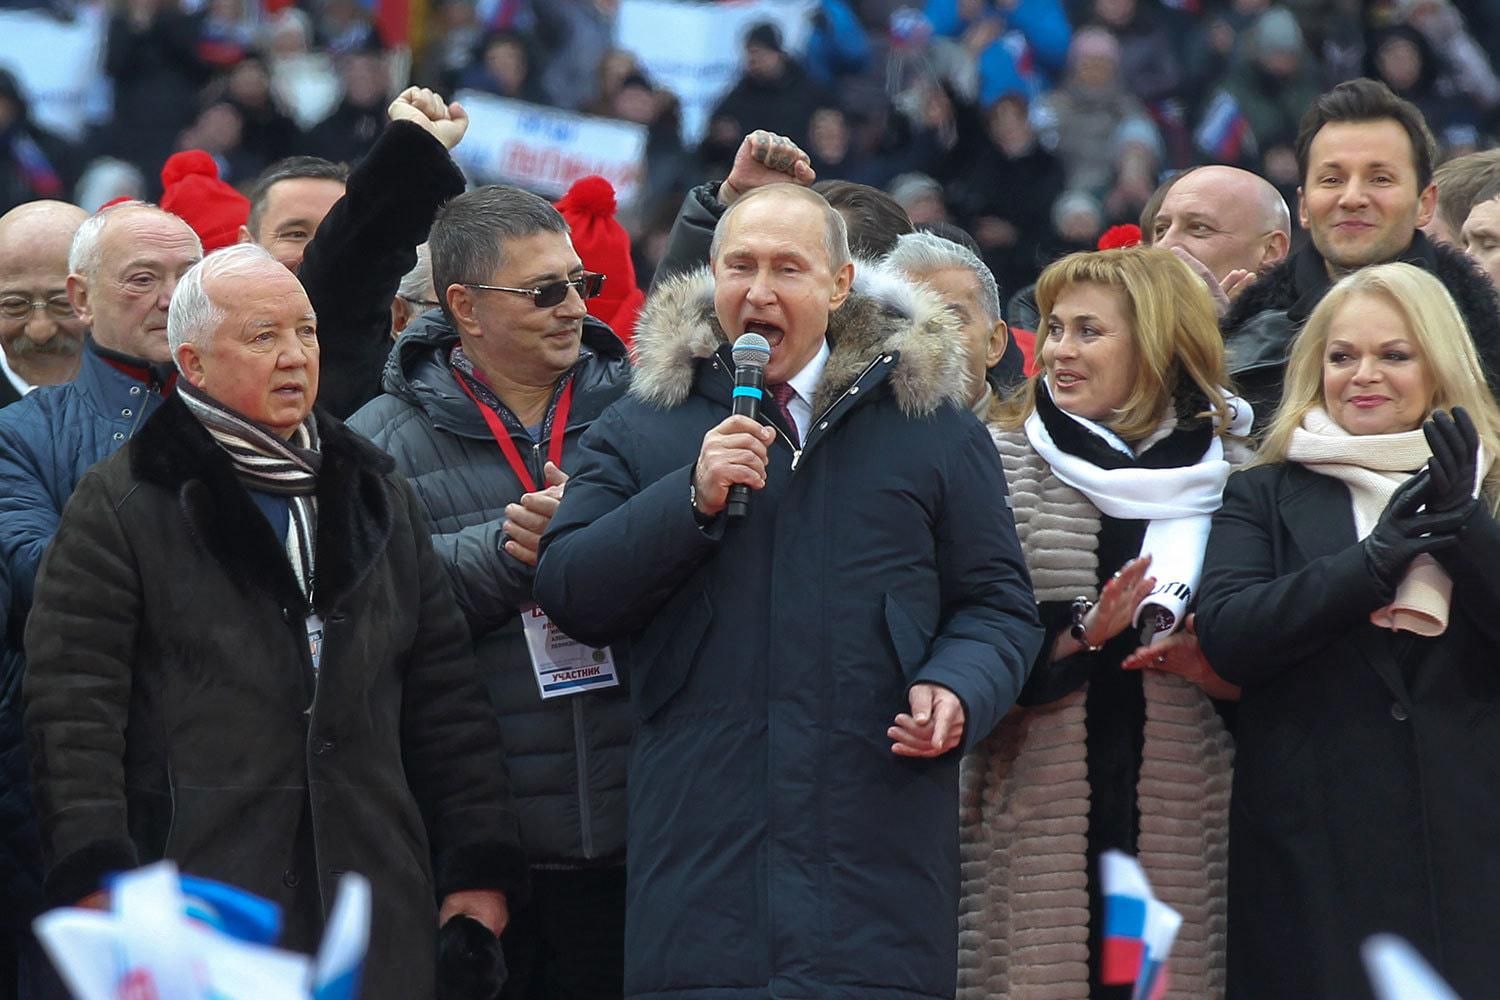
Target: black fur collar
[(355, 519), (1291, 283)]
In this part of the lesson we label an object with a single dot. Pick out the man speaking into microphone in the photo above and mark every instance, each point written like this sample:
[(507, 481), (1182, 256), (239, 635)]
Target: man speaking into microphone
[(804, 676)]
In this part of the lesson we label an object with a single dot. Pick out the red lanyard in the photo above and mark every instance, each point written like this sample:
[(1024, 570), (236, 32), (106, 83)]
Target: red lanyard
[(508, 447)]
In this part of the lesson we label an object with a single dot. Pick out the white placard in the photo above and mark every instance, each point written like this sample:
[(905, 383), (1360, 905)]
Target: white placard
[(60, 66), (545, 150), (696, 50)]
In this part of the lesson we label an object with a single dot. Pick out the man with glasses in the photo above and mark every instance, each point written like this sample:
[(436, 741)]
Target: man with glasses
[(484, 403), (122, 267), (40, 338)]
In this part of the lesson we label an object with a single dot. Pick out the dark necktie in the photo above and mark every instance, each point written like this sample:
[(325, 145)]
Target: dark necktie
[(783, 393)]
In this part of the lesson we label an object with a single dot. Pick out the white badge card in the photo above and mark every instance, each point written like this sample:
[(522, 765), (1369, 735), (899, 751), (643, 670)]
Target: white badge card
[(315, 639), (564, 666)]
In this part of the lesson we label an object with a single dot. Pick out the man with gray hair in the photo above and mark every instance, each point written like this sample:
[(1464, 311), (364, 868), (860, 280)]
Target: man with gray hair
[(808, 665), (965, 284), (415, 295), (485, 402), (192, 694)]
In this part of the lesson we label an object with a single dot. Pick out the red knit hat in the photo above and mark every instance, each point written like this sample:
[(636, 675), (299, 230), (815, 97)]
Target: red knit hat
[(193, 192), (604, 246)]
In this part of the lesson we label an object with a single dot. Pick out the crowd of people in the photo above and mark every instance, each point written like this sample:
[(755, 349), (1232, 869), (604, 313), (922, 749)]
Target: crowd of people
[(371, 521), (1033, 124)]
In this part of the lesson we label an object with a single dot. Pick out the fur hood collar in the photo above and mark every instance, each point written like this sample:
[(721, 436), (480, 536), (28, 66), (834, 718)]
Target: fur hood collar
[(884, 313)]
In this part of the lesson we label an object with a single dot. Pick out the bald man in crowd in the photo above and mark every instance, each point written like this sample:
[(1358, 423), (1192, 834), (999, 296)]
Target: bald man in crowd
[(1228, 224), (40, 337), (121, 269)]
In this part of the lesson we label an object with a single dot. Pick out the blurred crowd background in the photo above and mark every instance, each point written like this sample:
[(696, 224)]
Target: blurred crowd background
[(1033, 124)]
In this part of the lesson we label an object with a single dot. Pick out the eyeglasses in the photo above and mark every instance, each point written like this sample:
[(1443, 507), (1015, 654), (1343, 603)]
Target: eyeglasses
[(20, 307), (424, 303), (587, 285)]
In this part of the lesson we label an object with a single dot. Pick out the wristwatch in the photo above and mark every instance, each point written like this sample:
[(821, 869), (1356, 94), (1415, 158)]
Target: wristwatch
[(1081, 607), (703, 520)]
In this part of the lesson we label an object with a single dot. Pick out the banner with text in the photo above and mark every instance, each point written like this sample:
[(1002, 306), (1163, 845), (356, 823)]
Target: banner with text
[(545, 150), (695, 50), (59, 65)]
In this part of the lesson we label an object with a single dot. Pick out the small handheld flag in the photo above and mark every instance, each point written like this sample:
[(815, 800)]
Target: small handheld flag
[(1138, 929)]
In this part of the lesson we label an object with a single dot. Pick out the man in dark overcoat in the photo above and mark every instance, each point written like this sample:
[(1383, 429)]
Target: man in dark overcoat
[(805, 676), (243, 654)]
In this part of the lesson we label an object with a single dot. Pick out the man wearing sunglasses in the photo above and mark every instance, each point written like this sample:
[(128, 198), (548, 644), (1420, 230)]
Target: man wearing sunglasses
[(40, 338), (485, 400)]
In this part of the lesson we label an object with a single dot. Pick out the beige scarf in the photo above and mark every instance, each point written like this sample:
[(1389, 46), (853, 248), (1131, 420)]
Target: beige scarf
[(1372, 466)]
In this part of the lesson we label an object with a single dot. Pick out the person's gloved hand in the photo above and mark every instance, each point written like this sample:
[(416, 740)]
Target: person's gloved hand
[(1402, 533), (1455, 458), (470, 962)]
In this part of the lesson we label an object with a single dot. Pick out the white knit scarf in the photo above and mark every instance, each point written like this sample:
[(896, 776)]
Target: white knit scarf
[(1372, 466), (1179, 504)]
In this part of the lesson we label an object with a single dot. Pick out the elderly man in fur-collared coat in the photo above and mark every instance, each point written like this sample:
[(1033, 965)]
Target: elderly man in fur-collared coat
[(806, 675), (244, 656)]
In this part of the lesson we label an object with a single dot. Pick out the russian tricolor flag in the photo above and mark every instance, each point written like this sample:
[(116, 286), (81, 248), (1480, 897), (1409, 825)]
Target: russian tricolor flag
[(1225, 133), (1138, 929)]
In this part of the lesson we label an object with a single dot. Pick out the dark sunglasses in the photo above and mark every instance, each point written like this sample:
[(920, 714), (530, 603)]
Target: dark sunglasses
[(587, 285)]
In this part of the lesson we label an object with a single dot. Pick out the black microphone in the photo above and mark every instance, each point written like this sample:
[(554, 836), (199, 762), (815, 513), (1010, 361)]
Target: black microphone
[(751, 354)]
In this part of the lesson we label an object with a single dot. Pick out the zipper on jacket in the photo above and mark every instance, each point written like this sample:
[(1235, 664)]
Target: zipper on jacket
[(581, 752), (853, 390), (307, 747)]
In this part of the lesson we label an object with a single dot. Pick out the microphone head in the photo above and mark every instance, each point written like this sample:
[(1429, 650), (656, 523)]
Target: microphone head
[(752, 350)]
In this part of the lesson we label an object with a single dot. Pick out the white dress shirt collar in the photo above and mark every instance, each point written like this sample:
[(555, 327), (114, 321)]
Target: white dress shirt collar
[(805, 384), (22, 386)]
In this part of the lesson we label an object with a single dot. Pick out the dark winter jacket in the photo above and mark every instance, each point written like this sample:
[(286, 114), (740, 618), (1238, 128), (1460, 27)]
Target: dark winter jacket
[(1366, 760), (1260, 326), (157, 73), (173, 710), (47, 441), (566, 755), (362, 250), (777, 846), (784, 105)]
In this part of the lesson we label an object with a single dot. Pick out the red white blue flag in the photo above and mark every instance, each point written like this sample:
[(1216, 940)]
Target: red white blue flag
[(1138, 929)]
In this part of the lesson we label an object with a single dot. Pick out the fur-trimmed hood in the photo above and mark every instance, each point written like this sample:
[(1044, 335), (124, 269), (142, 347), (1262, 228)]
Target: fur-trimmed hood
[(885, 313)]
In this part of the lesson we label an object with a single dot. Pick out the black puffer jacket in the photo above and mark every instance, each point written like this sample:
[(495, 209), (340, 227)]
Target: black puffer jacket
[(1259, 329), (566, 755)]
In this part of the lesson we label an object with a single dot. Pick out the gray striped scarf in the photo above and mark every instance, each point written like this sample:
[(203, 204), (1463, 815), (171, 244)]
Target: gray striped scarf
[(264, 461)]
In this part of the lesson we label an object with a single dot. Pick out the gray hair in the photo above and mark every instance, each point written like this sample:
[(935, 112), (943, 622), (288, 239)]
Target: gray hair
[(417, 284), (470, 229), (835, 231), (923, 253), (193, 314), (85, 253)]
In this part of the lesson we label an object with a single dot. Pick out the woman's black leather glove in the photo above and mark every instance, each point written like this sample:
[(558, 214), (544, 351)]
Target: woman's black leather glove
[(1455, 460), (1402, 533)]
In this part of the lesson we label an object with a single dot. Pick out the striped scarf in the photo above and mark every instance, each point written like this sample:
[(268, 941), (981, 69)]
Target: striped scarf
[(265, 462)]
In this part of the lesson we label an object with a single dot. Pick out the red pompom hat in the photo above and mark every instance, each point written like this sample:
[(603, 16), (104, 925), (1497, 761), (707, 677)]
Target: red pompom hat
[(193, 192), (1119, 237), (604, 246)]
